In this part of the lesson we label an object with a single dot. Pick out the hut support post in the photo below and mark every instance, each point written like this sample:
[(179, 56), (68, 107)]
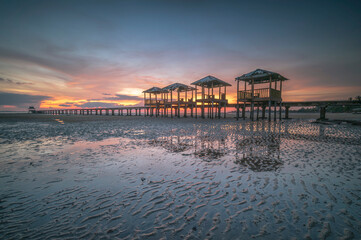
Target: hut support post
[(171, 103), (244, 102), (269, 101), (287, 108), (144, 99), (225, 104), (212, 110), (156, 106), (322, 113), (238, 95), (178, 110), (280, 113), (208, 105), (252, 101), (275, 111), (192, 104), (195, 100), (275, 105), (219, 103), (202, 110), (185, 104), (150, 104), (164, 106)]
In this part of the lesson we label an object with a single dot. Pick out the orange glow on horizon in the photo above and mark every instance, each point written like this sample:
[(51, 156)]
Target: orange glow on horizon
[(55, 104)]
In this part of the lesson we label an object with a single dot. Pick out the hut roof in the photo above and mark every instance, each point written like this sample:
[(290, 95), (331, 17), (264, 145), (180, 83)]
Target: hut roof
[(178, 86), (261, 76), (155, 90), (210, 81)]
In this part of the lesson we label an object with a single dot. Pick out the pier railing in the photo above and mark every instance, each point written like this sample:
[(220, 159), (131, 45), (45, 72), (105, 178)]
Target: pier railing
[(262, 93), (149, 102)]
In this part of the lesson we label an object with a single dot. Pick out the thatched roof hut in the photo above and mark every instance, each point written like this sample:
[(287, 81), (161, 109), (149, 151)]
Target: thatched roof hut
[(155, 90), (261, 76), (265, 94), (179, 87), (210, 81)]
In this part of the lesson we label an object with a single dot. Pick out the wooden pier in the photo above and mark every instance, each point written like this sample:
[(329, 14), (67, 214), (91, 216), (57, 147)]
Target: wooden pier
[(177, 99), (122, 111), (146, 111)]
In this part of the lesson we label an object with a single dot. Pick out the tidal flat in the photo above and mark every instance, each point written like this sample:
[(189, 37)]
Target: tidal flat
[(112, 177)]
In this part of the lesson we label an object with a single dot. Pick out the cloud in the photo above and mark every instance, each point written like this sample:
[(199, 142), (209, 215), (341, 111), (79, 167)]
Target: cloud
[(72, 64), (97, 104), (106, 94), (124, 97), (119, 97), (65, 105), (21, 100), (9, 81)]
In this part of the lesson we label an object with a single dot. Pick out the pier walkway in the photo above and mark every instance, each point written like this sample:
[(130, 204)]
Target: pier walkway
[(148, 111)]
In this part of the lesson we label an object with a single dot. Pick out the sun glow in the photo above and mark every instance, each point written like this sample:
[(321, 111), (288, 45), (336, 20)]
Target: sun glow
[(131, 91), (71, 103)]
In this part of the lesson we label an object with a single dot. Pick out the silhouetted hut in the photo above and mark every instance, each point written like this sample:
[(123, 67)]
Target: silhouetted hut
[(156, 102), (209, 98), (185, 99), (31, 109), (263, 95)]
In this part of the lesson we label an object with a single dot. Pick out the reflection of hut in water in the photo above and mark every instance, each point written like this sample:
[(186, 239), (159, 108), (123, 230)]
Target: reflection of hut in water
[(209, 148), (259, 153), (204, 147), (174, 144)]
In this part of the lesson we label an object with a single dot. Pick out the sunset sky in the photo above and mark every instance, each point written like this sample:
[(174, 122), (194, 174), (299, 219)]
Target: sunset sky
[(105, 53)]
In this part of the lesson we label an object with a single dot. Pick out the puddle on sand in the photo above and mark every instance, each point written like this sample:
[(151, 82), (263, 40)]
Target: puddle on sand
[(215, 180)]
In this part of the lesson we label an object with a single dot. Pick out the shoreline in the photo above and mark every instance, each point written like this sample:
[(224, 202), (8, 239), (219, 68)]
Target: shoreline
[(230, 116)]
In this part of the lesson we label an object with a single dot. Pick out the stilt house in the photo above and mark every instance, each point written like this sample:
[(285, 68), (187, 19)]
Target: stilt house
[(269, 92), (209, 99)]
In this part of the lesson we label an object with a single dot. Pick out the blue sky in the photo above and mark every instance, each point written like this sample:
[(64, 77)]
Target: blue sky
[(70, 52)]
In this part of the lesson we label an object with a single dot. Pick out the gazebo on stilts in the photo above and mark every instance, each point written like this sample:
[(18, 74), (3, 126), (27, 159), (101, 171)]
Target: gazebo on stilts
[(262, 96), (209, 98), (154, 103), (185, 98)]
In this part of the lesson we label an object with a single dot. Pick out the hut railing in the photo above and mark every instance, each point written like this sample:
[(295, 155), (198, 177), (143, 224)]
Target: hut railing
[(153, 101), (260, 93), (245, 94), (214, 97), (275, 94), (189, 100)]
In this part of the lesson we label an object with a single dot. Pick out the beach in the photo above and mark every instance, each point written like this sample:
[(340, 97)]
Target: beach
[(136, 177)]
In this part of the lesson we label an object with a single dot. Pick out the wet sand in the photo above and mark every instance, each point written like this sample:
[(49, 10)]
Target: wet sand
[(94, 177)]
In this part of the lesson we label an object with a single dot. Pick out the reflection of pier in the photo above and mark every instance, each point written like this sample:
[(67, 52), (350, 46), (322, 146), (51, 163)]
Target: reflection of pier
[(258, 151), (320, 133), (205, 147), (254, 145)]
